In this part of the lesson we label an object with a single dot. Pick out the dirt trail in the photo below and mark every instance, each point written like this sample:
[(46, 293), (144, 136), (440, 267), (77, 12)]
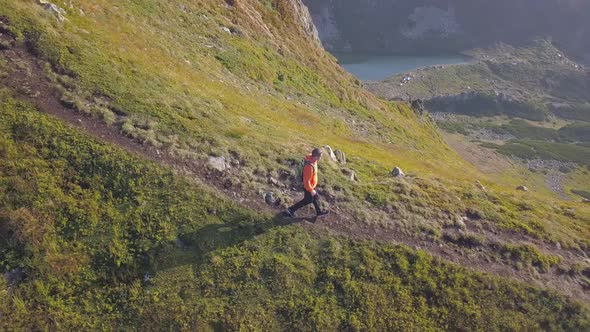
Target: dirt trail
[(27, 81)]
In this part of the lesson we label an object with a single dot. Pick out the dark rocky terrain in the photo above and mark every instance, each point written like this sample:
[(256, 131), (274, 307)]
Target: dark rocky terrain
[(427, 26)]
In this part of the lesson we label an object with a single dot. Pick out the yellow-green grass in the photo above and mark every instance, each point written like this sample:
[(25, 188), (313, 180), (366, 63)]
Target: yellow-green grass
[(109, 240), (265, 92)]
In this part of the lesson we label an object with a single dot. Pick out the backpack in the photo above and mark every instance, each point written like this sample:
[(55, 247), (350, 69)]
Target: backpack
[(300, 167)]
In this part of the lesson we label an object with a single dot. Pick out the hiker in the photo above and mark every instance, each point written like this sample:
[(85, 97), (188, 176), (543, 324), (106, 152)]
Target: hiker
[(310, 181)]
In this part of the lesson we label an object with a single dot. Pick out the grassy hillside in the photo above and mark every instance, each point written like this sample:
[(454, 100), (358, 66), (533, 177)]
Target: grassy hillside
[(534, 81), (109, 241), (92, 236), (537, 87)]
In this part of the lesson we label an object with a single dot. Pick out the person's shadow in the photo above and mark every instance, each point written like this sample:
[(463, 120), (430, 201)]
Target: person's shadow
[(193, 247)]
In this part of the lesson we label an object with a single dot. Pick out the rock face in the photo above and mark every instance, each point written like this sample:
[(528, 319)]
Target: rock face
[(419, 26), (304, 19)]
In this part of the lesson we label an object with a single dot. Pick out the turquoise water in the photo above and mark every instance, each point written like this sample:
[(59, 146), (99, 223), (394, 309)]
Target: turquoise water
[(379, 67)]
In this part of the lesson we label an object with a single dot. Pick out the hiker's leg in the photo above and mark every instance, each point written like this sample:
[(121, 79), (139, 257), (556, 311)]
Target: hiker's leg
[(316, 203), (307, 198)]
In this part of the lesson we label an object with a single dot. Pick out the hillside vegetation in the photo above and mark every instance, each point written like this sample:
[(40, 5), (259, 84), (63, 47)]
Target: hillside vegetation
[(129, 225), (528, 102)]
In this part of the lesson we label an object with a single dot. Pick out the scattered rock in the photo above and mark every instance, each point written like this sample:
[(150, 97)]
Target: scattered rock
[(147, 277), (397, 172), (218, 163), (328, 150), (54, 9), (340, 156), (522, 188), (350, 174), (274, 182), (269, 198), (460, 222)]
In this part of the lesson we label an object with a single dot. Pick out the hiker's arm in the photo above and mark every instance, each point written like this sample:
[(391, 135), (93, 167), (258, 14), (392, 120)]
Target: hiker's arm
[(307, 175)]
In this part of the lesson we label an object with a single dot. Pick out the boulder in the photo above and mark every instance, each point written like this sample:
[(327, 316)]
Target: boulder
[(460, 222), (275, 182), (397, 172), (350, 174), (340, 156), (147, 277), (269, 198), (522, 188), (54, 9), (218, 163), (330, 153)]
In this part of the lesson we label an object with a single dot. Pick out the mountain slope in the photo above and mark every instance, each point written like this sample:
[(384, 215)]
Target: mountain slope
[(97, 239), (417, 27), (187, 84)]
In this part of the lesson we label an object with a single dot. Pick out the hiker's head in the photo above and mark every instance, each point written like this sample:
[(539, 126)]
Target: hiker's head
[(316, 154)]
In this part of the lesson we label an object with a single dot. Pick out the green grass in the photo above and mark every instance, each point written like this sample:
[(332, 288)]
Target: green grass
[(86, 222), (529, 255), (175, 80), (531, 149), (570, 133)]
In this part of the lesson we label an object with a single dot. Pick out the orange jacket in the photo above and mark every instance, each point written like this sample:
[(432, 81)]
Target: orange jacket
[(310, 174)]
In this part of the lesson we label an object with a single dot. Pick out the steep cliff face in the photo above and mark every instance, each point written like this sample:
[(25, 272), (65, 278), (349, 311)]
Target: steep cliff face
[(302, 15), (439, 26)]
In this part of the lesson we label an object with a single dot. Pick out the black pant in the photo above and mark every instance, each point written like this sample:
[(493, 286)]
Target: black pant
[(307, 199)]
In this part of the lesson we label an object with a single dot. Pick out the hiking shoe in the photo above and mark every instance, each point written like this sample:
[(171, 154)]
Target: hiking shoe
[(322, 213), (289, 213)]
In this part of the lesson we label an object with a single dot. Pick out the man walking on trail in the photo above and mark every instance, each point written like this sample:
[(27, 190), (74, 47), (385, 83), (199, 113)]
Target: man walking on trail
[(310, 181)]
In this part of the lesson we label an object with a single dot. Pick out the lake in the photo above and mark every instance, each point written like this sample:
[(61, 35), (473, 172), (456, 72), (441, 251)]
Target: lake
[(379, 67)]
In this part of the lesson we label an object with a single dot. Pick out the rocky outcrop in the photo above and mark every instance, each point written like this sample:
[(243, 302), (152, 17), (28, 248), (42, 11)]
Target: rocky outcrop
[(340, 156), (304, 19), (416, 26), (54, 9), (329, 153), (397, 172)]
